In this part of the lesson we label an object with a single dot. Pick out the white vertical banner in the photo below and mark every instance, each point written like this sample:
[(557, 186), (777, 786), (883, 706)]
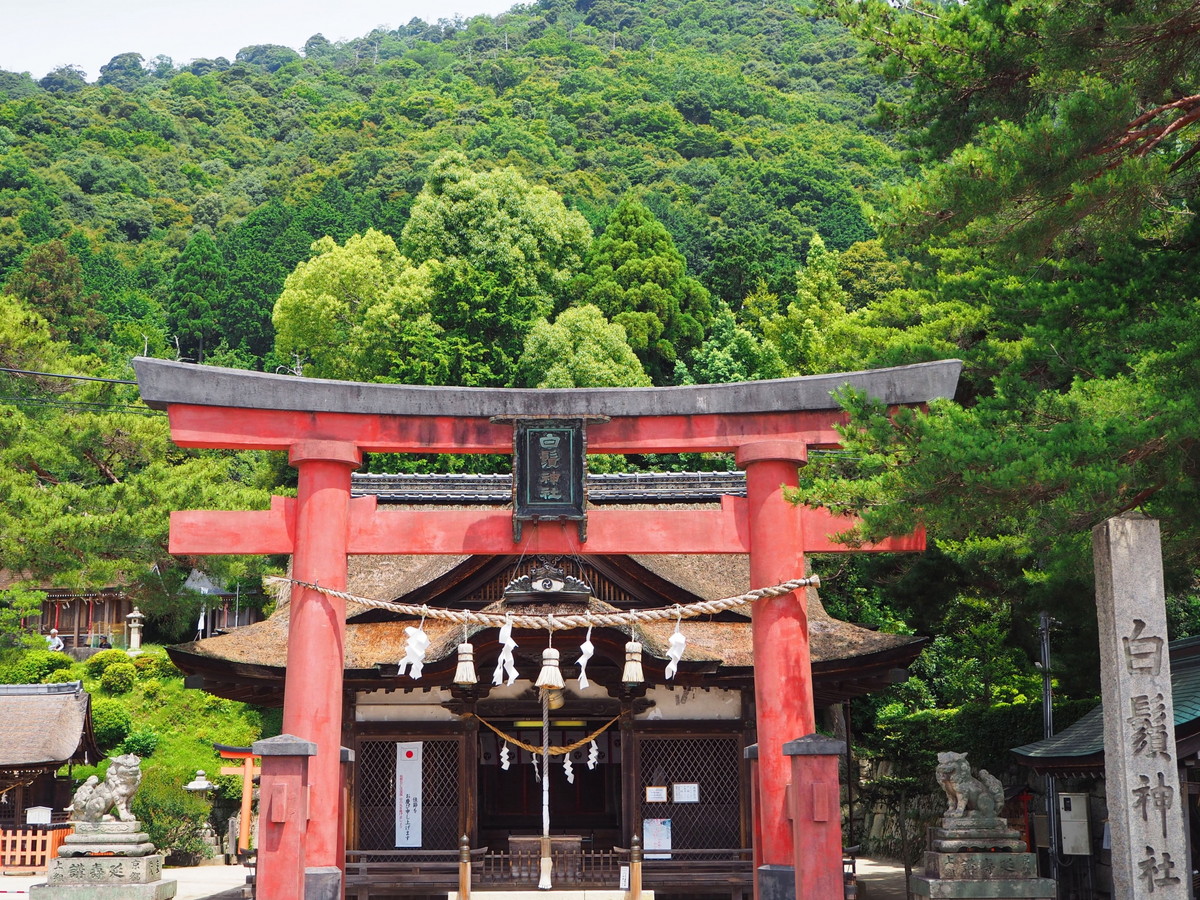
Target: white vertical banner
[(408, 794)]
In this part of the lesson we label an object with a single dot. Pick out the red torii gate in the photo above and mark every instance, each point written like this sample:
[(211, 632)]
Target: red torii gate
[(326, 426)]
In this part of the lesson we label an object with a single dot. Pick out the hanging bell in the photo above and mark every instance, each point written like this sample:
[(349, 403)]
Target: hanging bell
[(551, 675), (465, 673), (633, 663)]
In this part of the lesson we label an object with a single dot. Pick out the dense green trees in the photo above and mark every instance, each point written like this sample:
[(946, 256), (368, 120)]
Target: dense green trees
[(197, 288), (580, 348), (88, 476), (50, 282), (1050, 245), (634, 275), (497, 223), (1054, 122), (361, 312)]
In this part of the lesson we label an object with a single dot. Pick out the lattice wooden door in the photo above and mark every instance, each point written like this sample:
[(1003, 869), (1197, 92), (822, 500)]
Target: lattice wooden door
[(713, 765), (440, 792)]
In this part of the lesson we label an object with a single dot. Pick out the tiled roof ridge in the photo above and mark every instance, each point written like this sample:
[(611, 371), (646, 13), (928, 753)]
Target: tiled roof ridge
[(22, 690), (619, 487)]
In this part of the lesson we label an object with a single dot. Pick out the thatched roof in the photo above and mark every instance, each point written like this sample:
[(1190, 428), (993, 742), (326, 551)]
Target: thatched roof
[(856, 659), (45, 725)]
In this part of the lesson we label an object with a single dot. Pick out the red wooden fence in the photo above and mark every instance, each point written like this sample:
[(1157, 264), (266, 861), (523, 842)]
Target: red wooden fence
[(31, 847)]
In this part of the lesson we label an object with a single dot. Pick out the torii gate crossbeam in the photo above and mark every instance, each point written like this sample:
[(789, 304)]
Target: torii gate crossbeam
[(326, 426)]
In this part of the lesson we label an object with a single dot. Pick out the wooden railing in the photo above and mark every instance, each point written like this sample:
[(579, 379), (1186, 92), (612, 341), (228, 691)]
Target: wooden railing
[(407, 871), (377, 872), (578, 868), (707, 871), (30, 848)]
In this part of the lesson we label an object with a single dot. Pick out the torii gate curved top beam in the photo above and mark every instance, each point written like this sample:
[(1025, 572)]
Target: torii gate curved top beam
[(233, 408), (163, 382), (209, 407)]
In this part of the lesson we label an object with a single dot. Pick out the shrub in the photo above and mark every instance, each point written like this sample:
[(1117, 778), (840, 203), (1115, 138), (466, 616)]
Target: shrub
[(118, 678), (164, 668), (141, 742), (173, 817), (152, 665), (986, 732), (32, 666), (152, 689), (59, 676), (95, 665), (110, 722)]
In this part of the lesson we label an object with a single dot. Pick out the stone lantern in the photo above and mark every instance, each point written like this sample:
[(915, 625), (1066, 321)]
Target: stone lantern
[(200, 784), (135, 620)]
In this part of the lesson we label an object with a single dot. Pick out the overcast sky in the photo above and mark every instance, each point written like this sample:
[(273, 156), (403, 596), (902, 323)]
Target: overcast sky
[(37, 36)]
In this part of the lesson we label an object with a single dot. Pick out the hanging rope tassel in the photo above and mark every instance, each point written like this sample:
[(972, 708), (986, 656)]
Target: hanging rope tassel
[(551, 675), (586, 649), (465, 673), (547, 866), (676, 643), (633, 663), (414, 652)]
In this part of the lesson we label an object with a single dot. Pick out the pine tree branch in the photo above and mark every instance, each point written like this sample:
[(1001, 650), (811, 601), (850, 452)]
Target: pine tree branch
[(100, 464), (42, 473)]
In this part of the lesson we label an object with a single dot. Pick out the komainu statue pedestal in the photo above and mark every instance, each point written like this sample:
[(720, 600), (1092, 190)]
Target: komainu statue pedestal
[(109, 856), (974, 853), (980, 858), (105, 861)]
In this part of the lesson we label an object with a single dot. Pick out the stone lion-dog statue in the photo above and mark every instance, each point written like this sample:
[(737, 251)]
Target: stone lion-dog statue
[(94, 799), (968, 795)]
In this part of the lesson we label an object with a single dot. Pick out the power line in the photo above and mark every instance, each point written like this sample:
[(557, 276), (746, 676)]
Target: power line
[(69, 404), (59, 375)]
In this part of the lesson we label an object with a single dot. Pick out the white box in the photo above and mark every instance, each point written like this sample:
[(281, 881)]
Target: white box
[(1073, 824), (38, 815)]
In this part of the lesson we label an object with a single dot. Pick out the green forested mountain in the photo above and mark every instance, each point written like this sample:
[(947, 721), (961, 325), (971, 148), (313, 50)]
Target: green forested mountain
[(626, 192), (738, 125), (414, 206)]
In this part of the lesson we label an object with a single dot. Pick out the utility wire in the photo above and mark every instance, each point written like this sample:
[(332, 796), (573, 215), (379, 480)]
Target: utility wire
[(69, 404), (59, 375)]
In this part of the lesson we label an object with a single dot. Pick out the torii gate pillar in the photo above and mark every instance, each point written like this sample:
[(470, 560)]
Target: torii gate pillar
[(317, 632), (783, 692)]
